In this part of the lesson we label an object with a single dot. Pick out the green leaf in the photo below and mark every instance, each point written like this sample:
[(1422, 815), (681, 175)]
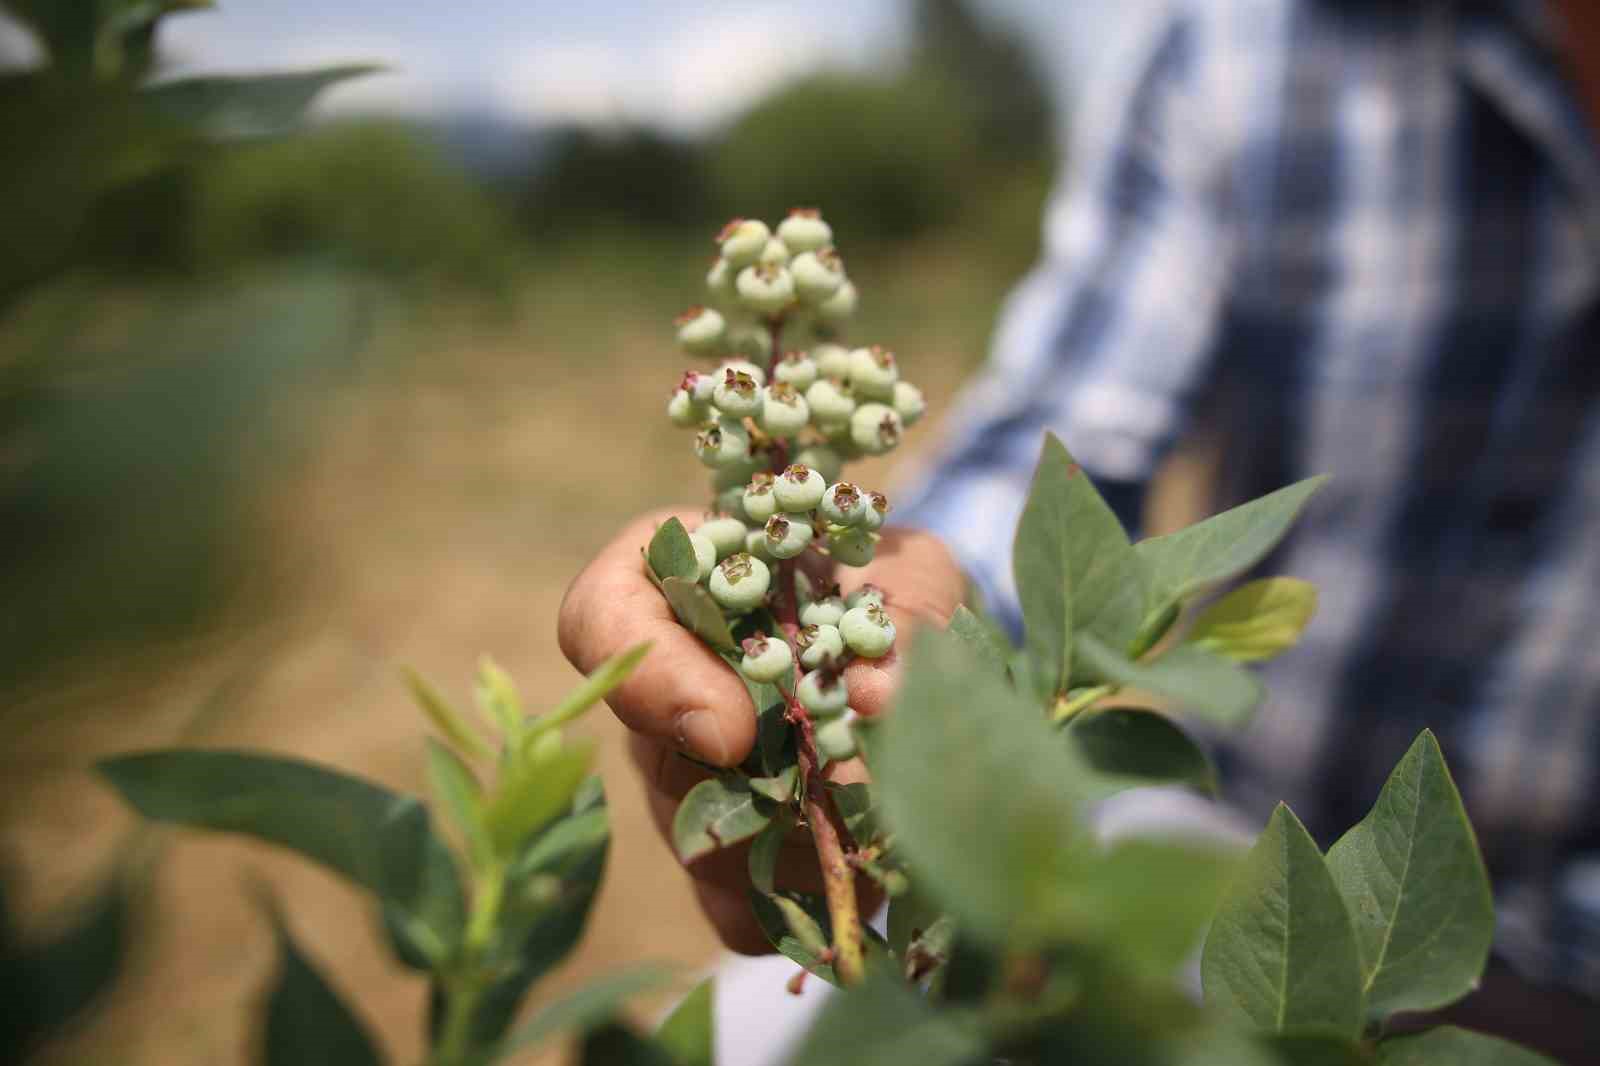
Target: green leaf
[(858, 808), (976, 788), (1182, 564), (1074, 569), (884, 1021), (1125, 900), (689, 1032), (988, 645), (1449, 1046), (766, 849), (1417, 890), (307, 1024), (910, 916), (1196, 679), (1258, 620), (671, 554), (590, 1006), (457, 790), (1281, 954), (698, 612), (379, 839), (797, 925), (1123, 748), (445, 718), (498, 699), (717, 813), (594, 688), (229, 108), (617, 1045), (533, 794), (778, 788)]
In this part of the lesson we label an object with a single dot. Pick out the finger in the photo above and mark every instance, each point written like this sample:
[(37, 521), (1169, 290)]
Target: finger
[(922, 585), (682, 693)]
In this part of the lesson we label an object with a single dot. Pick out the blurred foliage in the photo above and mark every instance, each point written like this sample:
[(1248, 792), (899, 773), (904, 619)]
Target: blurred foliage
[(624, 176)]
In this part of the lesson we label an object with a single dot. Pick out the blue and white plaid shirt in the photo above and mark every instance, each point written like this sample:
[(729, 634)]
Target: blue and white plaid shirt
[(1360, 238)]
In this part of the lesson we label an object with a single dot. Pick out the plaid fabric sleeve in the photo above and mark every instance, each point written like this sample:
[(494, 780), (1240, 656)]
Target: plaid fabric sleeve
[(1106, 339)]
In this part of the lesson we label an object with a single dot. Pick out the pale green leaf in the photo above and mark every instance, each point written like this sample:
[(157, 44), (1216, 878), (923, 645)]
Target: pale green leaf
[(456, 789), (883, 1021), (607, 676), (1123, 748), (1183, 564), (670, 553), (689, 1033), (591, 1005), (533, 793), (1281, 954), (797, 925), (717, 813), (446, 719), (977, 790), (1195, 679), (1449, 1046), (498, 699), (989, 646), (1256, 621), (780, 787), (1416, 888), (224, 107), (698, 612)]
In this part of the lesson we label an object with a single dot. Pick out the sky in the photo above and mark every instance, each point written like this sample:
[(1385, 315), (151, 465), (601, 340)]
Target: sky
[(682, 64)]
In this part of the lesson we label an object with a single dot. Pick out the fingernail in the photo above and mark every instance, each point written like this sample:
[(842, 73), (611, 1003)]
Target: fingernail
[(700, 733)]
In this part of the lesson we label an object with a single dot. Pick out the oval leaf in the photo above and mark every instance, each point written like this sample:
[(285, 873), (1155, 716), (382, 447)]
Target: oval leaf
[(592, 1005), (689, 1033), (698, 612), (885, 1021), (798, 927), (670, 554), (717, 813), (1256, 621), (307, 1024), (1449, 1046), (1124, 748), (1417, 889), (1193, 677), (1281, 954), (1222, 547)]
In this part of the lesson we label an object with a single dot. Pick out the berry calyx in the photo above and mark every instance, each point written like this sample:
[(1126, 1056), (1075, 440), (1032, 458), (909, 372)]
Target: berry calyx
[(873, 373), (737, 394), (723, 444), (784, 412), (797, 369), (759, 501), (765, 288), (701, 330), (820, 645), (787, 536), (804, 230), (842, 504), (874, 512), (823, 693), (875, 429)]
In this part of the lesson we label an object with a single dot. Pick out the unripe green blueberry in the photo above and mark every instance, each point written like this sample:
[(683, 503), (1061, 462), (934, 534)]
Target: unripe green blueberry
[(804, 231), (684, 411), (742, 240), (730, 501), (759, 501), (742, 366), (737, 394), (908, 403), (799, 488), (723, 444), (817, 275), (755, 544), (874, 428), (720, 286), (852, 547), (774, 253), (701, 330), (836, 740), (766, 659), (868, 631), (738, 475), (842, 504), (822, 458), (831, 403), (766, 289), (823, 612), (699, 386), (804, 590), (797, 369), (750, 339), (787, 535), (833, 361), (823, 693), (873, 372), (725, 532), (838, 308), (868, 595), (876, 509), (740, 582), (820, 644), (705, 554), (784, 412)]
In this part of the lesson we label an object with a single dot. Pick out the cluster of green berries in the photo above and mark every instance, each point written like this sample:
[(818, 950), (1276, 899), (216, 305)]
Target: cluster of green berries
[(776, 426)]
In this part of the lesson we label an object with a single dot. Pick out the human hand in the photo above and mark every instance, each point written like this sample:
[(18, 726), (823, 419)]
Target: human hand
[(683, 698)]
